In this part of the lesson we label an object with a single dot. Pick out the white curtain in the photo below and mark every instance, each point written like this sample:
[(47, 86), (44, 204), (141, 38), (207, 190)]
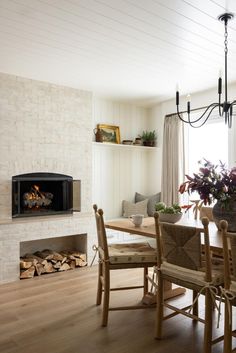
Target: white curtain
[(172, 160)]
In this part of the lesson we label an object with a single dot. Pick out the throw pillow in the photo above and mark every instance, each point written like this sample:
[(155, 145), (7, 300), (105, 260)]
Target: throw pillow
[(152, 200), (130, 208)]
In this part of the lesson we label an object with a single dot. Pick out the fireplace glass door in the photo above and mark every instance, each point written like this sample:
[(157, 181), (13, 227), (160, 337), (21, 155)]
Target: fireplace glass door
[(39, 194)]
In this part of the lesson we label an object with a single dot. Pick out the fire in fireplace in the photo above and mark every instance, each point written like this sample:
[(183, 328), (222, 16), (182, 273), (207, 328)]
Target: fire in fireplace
[(38, 194), (35, 199)]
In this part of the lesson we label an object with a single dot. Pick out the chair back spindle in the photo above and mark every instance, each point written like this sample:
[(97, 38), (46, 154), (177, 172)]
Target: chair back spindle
[(229, 256), (229, 290), (101, 233)]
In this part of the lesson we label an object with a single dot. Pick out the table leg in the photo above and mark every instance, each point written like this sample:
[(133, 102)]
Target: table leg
[(170, 292)]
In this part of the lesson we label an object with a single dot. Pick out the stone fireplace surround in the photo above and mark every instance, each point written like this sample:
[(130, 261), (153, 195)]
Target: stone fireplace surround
[(13, 233), (43, 127)]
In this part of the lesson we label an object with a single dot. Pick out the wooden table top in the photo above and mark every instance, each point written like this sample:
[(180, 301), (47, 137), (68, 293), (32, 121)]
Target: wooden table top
[(148, 229)]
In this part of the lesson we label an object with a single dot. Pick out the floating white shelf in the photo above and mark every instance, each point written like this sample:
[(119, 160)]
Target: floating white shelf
[(120, 145)]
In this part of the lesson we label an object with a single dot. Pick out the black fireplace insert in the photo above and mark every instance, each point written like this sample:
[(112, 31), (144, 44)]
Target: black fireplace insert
[(43, 194)]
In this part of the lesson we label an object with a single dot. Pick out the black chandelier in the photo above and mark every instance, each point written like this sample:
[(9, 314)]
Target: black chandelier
[(226, 108)]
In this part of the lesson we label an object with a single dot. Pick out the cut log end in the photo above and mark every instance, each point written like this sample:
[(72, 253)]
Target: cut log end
[(48, 261), (29, 273)]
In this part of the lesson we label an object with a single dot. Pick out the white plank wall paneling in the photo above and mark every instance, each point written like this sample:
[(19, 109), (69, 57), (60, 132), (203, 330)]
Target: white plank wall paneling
[(119, 172)]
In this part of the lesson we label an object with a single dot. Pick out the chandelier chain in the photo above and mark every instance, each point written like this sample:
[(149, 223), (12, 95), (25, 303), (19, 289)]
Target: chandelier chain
[(226, 39)]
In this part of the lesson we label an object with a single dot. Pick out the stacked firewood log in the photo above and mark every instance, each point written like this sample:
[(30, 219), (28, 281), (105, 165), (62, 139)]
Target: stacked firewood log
[(48, 261)]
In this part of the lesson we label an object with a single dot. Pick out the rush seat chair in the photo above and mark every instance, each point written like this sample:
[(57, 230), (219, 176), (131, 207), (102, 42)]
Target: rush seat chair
[(180, 261), (116, 257)]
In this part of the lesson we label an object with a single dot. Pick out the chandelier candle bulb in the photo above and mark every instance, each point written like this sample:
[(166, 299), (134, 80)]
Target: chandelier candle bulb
[(188, 103), (177, 97), (188, 107), (219, 85)]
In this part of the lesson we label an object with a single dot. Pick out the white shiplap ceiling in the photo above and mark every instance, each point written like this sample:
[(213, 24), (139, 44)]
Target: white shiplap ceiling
[(134, 50)]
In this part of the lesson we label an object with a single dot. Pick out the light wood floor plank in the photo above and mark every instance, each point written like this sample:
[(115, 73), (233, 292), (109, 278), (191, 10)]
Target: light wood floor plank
[(57, 314)]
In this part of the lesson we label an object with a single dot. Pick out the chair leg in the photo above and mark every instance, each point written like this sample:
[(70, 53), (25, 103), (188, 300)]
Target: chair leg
[(228, 329), (106, 296), (145, 280), (159, 307), (195, 306), (208, 322), (99, 288)]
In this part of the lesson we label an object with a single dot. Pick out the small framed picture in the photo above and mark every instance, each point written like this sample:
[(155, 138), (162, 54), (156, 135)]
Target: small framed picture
[(110, 133)]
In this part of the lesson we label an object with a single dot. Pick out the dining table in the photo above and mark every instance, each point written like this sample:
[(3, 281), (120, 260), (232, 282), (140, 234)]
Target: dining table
[(147, 229)]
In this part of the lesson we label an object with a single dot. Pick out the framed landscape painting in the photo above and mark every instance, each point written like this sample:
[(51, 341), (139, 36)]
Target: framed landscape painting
[(110, 133)]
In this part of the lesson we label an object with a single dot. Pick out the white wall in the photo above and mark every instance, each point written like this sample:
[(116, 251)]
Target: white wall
[(131, 119), (118, 172), (156, 121)]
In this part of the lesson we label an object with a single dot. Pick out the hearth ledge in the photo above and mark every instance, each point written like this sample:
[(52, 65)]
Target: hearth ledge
[(53, 218)]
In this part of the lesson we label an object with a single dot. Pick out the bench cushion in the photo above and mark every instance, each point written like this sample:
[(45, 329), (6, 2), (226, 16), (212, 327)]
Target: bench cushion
[(130, 208), (152, 200)]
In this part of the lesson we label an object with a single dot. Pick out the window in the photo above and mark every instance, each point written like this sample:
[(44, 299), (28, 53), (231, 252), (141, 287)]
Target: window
[(209, 141)]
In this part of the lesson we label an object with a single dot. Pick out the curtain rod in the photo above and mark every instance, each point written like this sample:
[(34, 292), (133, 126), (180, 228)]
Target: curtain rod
[(185, 111)]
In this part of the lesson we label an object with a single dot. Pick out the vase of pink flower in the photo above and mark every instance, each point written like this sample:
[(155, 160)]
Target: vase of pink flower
[(216, 185)]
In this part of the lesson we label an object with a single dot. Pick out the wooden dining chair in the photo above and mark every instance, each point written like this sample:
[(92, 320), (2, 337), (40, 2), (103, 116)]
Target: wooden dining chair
[(229, 290), (116, 257), (180, 261)]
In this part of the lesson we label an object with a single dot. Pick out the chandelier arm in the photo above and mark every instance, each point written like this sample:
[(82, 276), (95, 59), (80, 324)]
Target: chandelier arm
[(226, 118), (180, 117), (231, 113), (225, 108), (220, 107), (214, 105), (207, 117), (231, 107)]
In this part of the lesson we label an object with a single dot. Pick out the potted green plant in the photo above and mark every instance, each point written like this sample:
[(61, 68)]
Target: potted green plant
[(170, 214), (149, 138)]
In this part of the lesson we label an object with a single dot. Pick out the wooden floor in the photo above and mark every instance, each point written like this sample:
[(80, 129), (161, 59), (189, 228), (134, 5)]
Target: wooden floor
[(56, 314)]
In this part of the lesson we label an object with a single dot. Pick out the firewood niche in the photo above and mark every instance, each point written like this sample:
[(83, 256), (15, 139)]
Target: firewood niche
[(49, 255), (49, 261)]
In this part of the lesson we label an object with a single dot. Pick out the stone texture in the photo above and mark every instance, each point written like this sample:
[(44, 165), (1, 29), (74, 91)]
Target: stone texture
[(13, 232), (43, 128)]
